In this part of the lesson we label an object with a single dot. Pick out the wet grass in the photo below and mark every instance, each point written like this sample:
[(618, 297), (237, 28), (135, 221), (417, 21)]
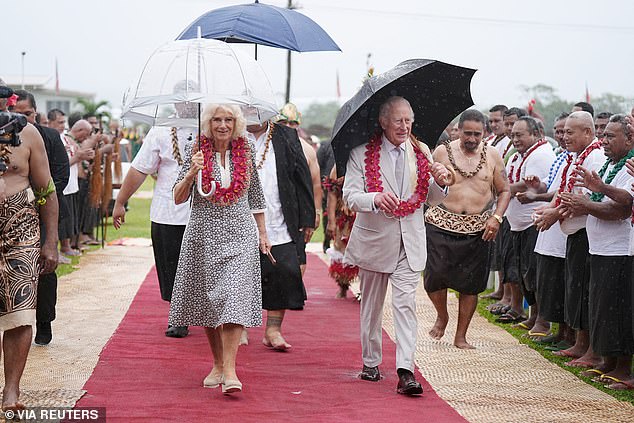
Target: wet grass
[(137, 225), (627, 396)]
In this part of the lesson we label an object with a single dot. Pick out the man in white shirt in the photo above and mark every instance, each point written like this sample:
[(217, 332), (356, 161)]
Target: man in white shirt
[(161, 153), (534, 157), (609, 230), (504, 253), (289, 215), (587, 153)]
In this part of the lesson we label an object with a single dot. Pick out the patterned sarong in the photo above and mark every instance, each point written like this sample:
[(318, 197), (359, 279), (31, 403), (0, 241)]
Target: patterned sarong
[(457, 223), (19, 255)]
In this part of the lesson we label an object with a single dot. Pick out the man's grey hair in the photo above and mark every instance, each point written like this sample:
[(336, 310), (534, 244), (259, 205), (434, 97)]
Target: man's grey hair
[(585, 118), (621, 120), (386, 107)]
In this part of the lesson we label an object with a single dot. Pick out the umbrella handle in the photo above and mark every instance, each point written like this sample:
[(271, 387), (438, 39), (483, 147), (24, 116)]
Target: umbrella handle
[(199, 186)]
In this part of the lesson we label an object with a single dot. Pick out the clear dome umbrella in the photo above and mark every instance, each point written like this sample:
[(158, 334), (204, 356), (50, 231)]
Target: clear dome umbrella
[(197, 71), (182, 75)]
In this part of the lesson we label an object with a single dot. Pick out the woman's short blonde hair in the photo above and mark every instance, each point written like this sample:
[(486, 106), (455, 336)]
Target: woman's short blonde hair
[(210, 110)]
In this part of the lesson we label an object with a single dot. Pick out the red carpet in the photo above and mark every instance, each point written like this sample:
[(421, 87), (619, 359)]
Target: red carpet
[(144, 376)]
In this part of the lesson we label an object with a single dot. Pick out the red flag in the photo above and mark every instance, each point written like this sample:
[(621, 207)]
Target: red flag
[(56, 78), (587, 94), (338, 87)]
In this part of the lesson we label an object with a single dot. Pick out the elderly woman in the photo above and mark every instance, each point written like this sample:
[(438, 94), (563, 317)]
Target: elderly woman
[(217, 283)]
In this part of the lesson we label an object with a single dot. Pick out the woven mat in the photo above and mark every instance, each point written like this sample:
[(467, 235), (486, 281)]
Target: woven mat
[(501, 380), (90, 304)]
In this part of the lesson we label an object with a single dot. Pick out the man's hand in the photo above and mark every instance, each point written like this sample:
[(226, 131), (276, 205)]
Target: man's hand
[(308, 233), (526, 197), (386, 201), (331, 229), (442, 175), (86, 154), (491, 228), (574, 204), (533, 182), (48, 258), (118, 215), (588, 179), (546, 216)]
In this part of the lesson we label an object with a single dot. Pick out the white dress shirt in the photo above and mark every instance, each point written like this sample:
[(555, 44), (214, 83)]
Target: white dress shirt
[(157, 156), (276, 228), (72, 186)]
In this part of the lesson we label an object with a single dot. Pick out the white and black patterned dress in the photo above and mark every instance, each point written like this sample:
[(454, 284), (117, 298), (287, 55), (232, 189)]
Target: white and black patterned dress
[(218, 276)]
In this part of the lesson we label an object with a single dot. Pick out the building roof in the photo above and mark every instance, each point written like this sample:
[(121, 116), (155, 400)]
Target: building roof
[(38, 84), (35, 81)]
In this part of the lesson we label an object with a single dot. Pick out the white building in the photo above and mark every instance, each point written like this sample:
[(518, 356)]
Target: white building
[(45, 96)]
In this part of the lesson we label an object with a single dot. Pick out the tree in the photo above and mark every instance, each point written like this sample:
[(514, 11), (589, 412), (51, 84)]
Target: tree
[(99, 108), (319, 118), (613, 103), (547, 102)]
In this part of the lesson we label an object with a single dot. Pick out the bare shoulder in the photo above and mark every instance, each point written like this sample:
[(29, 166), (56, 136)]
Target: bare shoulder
[(494, 154), (440, 153), (30, 136), (309, 151)]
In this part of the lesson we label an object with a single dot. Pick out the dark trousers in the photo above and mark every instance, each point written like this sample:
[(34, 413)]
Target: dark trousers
[(46, 298), (166, 242), (526, 258)]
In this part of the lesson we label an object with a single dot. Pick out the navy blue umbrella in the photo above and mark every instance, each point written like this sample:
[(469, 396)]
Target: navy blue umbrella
[(262, 24), (437, 92)]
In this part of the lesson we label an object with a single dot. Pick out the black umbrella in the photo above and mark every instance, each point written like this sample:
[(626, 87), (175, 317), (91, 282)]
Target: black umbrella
[(437, 91)]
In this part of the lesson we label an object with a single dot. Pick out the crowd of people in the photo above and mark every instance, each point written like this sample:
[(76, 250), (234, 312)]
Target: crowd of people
[(234, 207), (563, 245)]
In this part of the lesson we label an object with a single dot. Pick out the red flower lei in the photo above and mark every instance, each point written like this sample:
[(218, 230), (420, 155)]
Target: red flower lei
[(567, 185), (524, 157), (374, 183), (240, 176)]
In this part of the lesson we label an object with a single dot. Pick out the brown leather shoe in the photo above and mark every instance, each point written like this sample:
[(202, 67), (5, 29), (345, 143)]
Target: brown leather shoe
[(370, 373), (407, 384)]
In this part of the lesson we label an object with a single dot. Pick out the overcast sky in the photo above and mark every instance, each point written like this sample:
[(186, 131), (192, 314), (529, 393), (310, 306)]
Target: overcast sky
[(101, 46)]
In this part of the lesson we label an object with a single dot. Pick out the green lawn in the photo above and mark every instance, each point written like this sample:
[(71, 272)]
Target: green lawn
[(560, 361), (137, 225)]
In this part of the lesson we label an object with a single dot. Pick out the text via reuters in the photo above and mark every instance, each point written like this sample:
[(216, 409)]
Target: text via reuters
[(57, 414)]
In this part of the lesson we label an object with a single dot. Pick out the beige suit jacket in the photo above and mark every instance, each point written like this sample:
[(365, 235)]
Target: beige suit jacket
[(375, 239)]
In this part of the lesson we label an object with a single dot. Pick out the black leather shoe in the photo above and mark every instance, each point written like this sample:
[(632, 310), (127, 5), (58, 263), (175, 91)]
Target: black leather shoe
[(407, 384), (370, 373), (44, 333), (177, 331)]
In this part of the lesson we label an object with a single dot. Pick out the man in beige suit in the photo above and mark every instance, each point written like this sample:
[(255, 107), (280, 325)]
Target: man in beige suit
[(388, 237)]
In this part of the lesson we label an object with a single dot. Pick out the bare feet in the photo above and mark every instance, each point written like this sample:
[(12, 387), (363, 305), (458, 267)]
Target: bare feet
[(571, 352), (10, 400), (586, 361), (276, 341), (463, 344), (492, 296), (438, 331)]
